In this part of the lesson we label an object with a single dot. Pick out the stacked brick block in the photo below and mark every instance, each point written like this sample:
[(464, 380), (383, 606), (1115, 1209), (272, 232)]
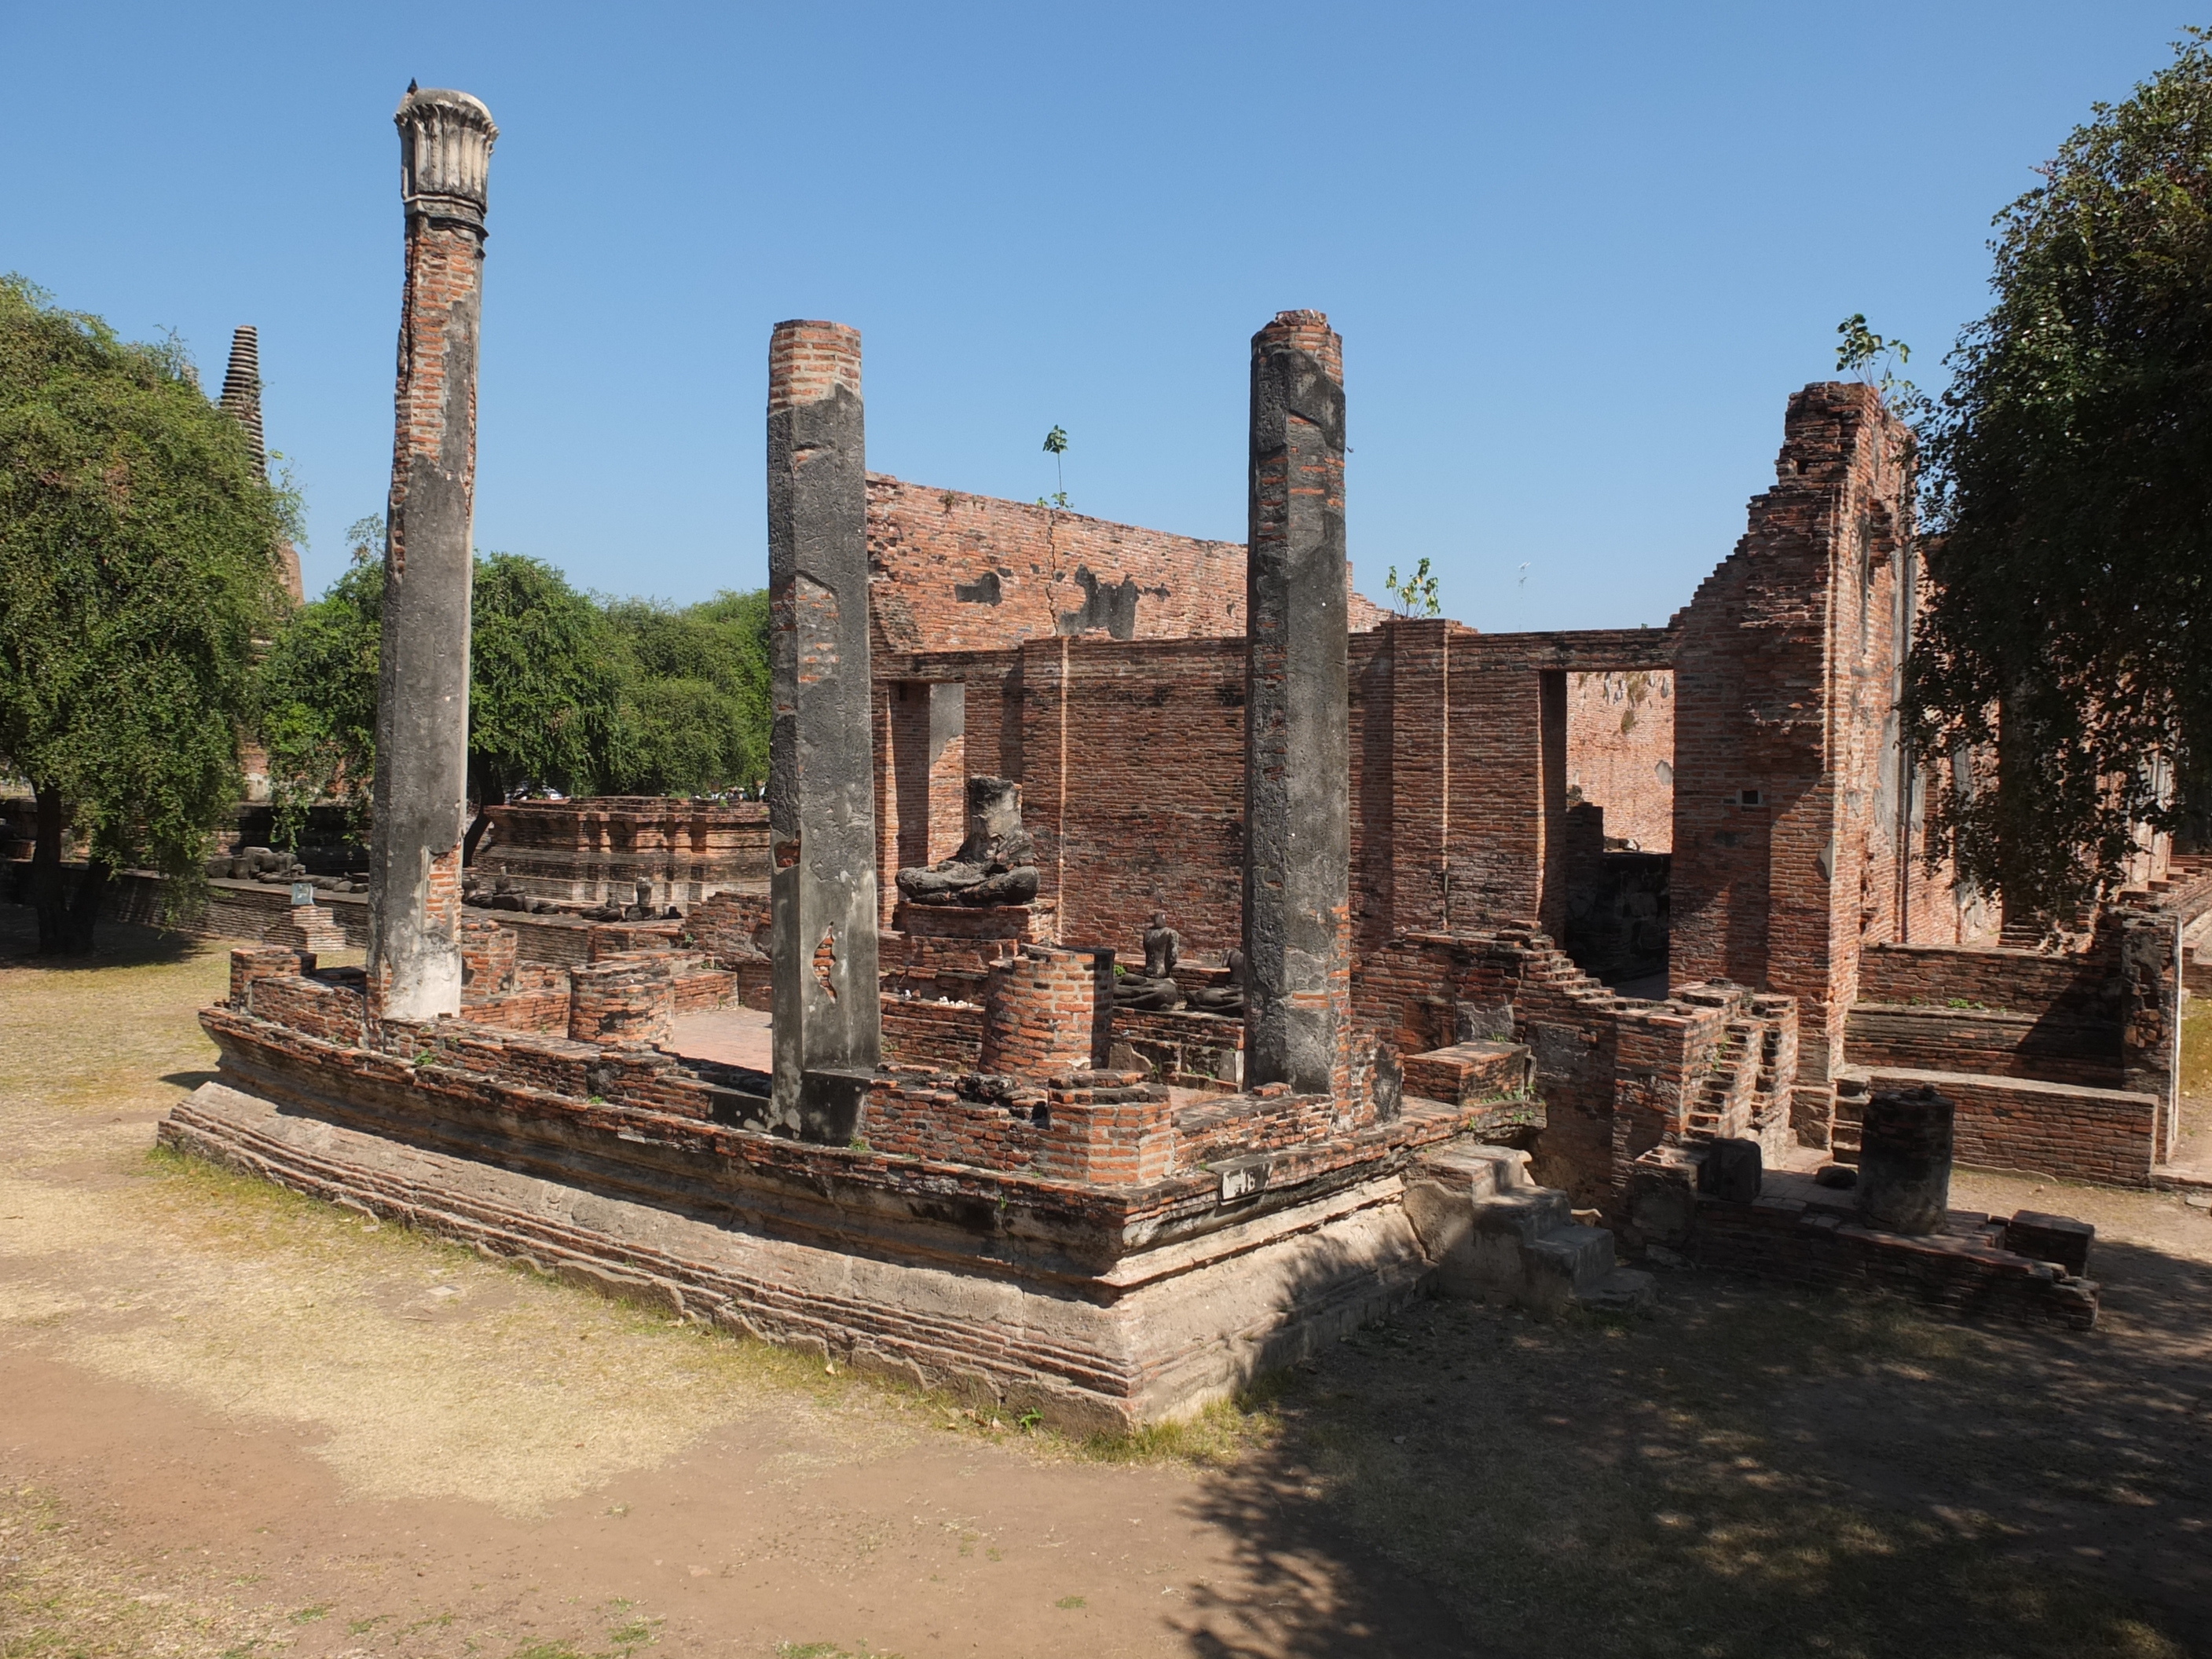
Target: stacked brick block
[(621, 999), (1047, 1012)]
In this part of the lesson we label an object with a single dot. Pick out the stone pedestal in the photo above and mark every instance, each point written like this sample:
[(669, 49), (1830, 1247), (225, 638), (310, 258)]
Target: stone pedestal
[(984, 923), (622, 1000), (308, 928), (1904, 1161)]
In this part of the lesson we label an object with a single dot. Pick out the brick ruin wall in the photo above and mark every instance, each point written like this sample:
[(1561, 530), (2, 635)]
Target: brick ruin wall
[(951, 571), (1131, 758), (599, 847), (1621, 751)]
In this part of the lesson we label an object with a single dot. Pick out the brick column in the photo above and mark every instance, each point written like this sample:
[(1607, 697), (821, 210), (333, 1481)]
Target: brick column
[(241, 396), (1298, 809), (421, 799), (821, 797), (1042, 1011)]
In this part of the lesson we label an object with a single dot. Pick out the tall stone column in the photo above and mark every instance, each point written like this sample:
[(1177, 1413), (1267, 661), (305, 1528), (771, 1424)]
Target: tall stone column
[(1298, 807), (421, 799), (820, 792)]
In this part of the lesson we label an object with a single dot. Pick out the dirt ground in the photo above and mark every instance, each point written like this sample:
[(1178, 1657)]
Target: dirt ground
[(233, 1421)]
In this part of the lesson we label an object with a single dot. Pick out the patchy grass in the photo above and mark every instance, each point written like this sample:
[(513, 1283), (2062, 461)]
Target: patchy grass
[(62, 1598)]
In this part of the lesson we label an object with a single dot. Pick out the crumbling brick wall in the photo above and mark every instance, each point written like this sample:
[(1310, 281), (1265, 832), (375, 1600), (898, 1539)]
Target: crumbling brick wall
[(1621, 751), (601, 847), (952, 571), (1787, 810), (1131, 759)]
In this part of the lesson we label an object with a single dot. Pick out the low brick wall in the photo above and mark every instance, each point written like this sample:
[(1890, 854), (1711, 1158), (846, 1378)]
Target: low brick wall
[(2108, 1135), (1188, 1049), (2046, 1045), (1960, 1271), (2015, 981), (1108, 1128), (948, 1036)]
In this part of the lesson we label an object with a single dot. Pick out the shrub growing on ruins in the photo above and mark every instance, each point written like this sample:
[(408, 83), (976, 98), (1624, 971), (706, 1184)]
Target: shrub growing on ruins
[(138, 565), (2069, 510)]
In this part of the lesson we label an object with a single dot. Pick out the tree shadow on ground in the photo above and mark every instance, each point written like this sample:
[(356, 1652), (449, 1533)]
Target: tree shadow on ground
[(1752, 1471), (115, 944)]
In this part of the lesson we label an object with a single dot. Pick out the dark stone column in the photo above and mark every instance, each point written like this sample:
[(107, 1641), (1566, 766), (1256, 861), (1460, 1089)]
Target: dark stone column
[(421, 799), (821, 794), (1298, 809), (1904, 1161)]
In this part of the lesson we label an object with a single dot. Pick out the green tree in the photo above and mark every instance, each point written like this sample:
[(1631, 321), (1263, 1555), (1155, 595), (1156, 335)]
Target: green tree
[(315, 702), (138, 566), (696, 694), (545, 687), (2069, 510)]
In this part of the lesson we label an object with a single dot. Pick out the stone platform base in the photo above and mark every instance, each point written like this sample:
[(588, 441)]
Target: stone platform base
[(1164, 1332)]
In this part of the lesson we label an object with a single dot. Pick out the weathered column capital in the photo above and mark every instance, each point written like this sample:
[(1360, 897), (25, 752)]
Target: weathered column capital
[(444, 155)]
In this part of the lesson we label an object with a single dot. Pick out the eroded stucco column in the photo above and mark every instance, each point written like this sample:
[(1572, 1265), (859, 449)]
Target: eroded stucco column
[(1298, 808), (821, 798), (421, 797)]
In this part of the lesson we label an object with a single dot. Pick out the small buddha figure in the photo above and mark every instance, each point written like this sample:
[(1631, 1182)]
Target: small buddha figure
[(1156, 988), (1227, 1001), (995, 864)]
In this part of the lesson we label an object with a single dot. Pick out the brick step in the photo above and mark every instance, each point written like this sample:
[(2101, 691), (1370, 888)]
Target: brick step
[(1493, 1234)]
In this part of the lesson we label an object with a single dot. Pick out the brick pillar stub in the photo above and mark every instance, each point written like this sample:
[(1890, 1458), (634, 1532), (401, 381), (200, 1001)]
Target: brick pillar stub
[(421, 792), (821, 801), (1298, 809)]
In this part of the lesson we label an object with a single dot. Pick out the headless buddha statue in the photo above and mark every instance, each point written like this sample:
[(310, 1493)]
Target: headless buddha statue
[(1156, 988)]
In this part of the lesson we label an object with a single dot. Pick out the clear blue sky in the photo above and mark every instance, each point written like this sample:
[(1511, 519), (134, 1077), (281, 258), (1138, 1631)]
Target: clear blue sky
[(1579, 253)]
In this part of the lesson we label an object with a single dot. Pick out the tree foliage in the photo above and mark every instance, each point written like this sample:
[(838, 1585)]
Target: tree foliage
[(543, 692), (2068, 509), (138, 566), (565, 691), (316, 703), (696, 694)]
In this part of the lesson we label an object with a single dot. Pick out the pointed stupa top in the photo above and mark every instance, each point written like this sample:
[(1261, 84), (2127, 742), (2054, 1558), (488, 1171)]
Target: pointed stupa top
[(241, 388), (445, 153)]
